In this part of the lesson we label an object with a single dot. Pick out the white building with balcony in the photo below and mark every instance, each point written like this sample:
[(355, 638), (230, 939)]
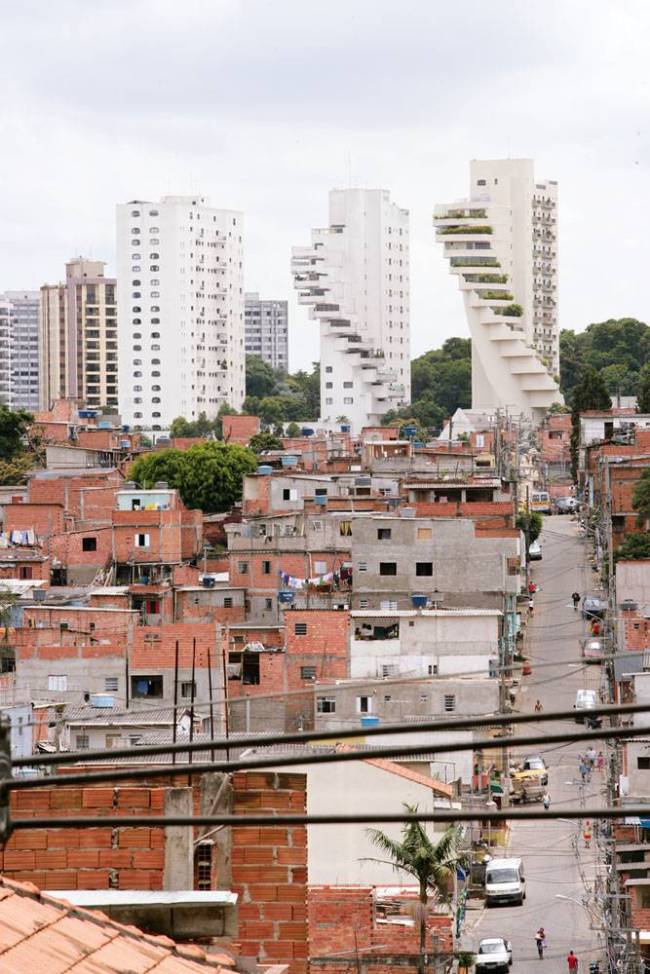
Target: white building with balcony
[(180, 310), (355, 279), (501, 244)]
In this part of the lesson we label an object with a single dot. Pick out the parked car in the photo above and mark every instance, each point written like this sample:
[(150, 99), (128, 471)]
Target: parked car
[(586, 700), (593, 605), (534, 766), (534, 551), (567, 505), (593, 650), (494, 954)]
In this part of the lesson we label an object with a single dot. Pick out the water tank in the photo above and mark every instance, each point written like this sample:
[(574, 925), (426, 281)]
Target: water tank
[(407, 512), (419, 601), (369, 720), (125, 444), (265, 470), (39, 594), (126, 429), (629, 605), (101, 700), (409, 431), (286, 596), (130, 485), (104, 424), (161, 485), (289, 461), (208, 581), (320, 499), (306, 431), (345, 427)]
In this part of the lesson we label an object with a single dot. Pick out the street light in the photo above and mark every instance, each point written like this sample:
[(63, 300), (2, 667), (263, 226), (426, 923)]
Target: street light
[(571, 899)]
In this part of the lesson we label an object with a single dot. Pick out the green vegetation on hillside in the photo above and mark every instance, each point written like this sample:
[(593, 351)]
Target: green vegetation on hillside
[(441, 381), (617, 350), (18, 453)]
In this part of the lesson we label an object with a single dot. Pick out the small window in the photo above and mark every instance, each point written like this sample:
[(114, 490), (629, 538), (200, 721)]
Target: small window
[(424, 568), (362, 566), (388, 605), (348, 385), (57, 682), (347, 400), (242, 567), (481, 182), (643, 763), (450, 702), (345, 529), (384, 534), (82, 742), (320, 492), (89, 544), (325, 705), (328, 368), (268, 605), (203, 866), (146, 686), (320, 567), (363, 603), (388, 568), (289, 494), (307, 672), (266, 568), (227, 602), (300, 628), (188, 689), (364, 705), (142, 540), (424, 534), (111, 684)]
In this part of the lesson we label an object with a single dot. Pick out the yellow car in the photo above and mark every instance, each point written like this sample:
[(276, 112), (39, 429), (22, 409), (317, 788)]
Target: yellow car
[(533, 767)]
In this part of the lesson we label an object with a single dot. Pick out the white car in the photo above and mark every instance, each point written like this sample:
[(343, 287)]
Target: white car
[(534, 551), (494, 954)]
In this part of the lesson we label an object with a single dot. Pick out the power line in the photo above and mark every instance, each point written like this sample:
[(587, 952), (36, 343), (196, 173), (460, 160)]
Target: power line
[(301, 737)]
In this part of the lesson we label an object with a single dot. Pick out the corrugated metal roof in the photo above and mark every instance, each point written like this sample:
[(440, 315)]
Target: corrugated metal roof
[(411, 613)]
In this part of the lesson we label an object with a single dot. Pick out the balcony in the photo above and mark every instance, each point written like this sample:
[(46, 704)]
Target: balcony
[(451, 231)]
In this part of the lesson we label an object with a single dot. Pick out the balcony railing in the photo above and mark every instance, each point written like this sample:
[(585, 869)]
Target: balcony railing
[(449, 231)]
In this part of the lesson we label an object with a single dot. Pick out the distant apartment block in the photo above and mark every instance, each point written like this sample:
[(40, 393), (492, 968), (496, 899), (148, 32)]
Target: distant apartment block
[(267, 330), (78, 337), (19, 355), (181, 310)]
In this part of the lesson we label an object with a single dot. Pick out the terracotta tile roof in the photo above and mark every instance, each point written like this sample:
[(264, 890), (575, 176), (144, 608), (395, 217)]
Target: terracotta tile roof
[(42, 935), (420, 779)]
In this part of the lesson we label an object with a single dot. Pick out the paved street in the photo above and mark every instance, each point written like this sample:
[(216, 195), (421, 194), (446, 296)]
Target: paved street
[(552, 867)]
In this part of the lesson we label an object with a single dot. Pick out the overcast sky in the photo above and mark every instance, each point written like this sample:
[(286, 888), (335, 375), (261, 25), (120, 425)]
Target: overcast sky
[(264, 105)]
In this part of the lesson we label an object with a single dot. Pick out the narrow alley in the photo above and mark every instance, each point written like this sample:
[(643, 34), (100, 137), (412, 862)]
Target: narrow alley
[(559, 869)]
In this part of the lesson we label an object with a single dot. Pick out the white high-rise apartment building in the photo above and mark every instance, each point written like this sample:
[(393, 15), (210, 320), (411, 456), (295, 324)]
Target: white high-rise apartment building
[(23, 309), (180, 310), (501, 244), (355, 278), (267, 330)]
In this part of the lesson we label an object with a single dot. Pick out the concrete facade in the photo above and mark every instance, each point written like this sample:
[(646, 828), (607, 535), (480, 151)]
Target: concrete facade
[(267, 330), (181, 310), (19, 349), (355, 279)]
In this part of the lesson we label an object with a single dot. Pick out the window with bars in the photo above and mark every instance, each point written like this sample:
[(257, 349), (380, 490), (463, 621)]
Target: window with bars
[(203, 866)]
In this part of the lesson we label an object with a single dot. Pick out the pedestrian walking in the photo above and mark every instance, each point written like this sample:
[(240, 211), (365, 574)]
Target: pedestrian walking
[(584, 769), (600, 761), (540, 940), (531, 606), (586, 834), (591, 756), (532, 588), (538, 707), (575, 598), (572, 962), (595, 627), (546, 800)]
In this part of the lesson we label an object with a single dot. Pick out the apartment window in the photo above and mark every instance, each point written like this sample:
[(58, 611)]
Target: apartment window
[(424, 534), (364, 705), (300, 628), (481, 182), (325, 705), (82, 742), (188, 689), (388, 568), (450, 702), (242, 567), (266, 568), (142, 540), (320, 492), (203, 866), (348, 385), (388, 669), (57, 682), (89, 544), (388, 605), (307, 672), (111, 684), (146, 686), (348, 400), (329, 385), (329, 402), (328, 368), (345, 529), (424, 568), (384, 534), (643, 763), (135, 213)]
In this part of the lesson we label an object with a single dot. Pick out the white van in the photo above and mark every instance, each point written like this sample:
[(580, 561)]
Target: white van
[(505, 882), (585, 700)]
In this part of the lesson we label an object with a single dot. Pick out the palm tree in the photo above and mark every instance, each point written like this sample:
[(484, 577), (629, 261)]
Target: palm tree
[(433, 864)]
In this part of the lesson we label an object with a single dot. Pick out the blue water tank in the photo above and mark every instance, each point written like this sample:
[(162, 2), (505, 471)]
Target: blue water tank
[(320, 499), (101, 700), (369, 720), (345, 427), (419, 601), (104, 424), (265, 470), (286, 596), (289, 461), (126, 429), (306, 431)]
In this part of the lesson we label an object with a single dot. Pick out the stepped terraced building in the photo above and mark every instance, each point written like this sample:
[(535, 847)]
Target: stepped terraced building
[(501, 244)]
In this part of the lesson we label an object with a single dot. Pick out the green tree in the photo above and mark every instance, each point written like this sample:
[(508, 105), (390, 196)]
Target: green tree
[(590, 393), (265, 441), (16, 470), (293, 430), (530, 524), (305, 387), (261, 380), (432, 864), (634, 548), (13, 431), (641, 495), (208, 476), (643, 389), (272, 410)]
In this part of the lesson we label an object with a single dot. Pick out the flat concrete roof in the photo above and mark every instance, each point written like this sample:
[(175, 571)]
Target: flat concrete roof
[(430, 613), (136, 897)]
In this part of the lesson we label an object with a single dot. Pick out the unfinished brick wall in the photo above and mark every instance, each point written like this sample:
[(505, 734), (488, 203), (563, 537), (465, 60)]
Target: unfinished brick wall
[(44, 519), (269, 871), (325, 645)]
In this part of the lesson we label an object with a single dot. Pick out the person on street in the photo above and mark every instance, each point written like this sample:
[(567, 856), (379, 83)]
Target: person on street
[(600, 761), (540, 940), (531, 606), (586, 834), (538, 707), (575, 598), (595, 627), (584, 769), (591, 756), (572, 961), (532, 588), (546, 800)]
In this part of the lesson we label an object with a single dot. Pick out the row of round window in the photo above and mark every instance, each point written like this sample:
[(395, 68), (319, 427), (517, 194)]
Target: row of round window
[(136, 308), (137, 230), (137, 212), (138, 321), (153, 388), (138, 294), (154, 361), (155, 415), (138, 375), (154, 348), (151, 256), (138, 401), (154, 334)]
